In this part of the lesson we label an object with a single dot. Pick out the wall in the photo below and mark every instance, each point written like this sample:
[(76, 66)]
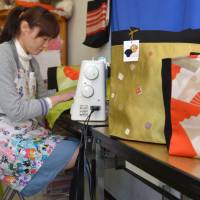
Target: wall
[(76, 30)]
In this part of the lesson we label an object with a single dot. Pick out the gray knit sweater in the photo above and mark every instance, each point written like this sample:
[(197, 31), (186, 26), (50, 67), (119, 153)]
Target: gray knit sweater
[(10, 102)]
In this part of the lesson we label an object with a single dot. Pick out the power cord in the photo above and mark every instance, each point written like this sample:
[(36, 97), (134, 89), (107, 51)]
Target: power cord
[(82, 165), (84, 146)]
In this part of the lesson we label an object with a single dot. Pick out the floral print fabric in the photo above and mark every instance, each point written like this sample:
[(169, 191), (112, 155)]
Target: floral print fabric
[(24, 146)]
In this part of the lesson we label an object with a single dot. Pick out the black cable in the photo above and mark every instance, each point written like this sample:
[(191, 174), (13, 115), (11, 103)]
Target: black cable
[(80, 163), (85, 134), (85, 156), (83, 143), (79, 172)]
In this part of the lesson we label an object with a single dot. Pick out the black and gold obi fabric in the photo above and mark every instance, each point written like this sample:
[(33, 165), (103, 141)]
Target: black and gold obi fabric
[(136, 101)]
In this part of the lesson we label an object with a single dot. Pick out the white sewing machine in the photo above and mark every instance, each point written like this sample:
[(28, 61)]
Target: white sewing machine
[(90, 92)]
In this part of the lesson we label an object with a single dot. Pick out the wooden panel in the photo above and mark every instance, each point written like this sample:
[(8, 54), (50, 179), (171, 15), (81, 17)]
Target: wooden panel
[(63, 33), (3, 14)]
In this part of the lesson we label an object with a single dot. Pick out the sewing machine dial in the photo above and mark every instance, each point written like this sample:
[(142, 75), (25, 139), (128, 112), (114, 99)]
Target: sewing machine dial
[(87, 91), (91, 72)]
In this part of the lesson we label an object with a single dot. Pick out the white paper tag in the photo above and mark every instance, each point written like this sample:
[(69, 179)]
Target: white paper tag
[(131, 50)]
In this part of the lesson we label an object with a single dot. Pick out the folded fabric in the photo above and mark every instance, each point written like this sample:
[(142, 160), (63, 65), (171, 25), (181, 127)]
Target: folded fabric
[(67, 76), (97, 25), (62, 77)]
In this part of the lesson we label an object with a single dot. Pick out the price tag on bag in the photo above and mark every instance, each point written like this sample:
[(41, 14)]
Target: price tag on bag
[(131, 51)]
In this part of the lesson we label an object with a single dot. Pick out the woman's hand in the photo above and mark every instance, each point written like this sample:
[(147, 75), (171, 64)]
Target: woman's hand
[(61, 98), (67, 96)]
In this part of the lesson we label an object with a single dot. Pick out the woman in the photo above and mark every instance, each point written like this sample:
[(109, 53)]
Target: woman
[(30, 156)]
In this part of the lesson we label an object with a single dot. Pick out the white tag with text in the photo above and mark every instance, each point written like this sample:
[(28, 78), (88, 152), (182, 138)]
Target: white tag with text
[(131, 50)]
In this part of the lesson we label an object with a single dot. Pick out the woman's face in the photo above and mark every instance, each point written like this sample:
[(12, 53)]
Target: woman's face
[(30, 41)]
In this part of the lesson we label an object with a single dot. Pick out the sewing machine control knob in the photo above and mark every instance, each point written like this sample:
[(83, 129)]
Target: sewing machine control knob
[(87, 91), (91, 72)]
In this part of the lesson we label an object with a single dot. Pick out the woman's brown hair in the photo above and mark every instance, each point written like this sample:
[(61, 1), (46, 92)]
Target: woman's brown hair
[(35, 16)]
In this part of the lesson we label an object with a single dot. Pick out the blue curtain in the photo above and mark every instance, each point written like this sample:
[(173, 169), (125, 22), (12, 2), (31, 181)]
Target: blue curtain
[(167, 15)]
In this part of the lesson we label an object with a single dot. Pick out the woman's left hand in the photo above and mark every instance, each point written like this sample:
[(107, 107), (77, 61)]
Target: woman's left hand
[(67, 96), (61, 98)]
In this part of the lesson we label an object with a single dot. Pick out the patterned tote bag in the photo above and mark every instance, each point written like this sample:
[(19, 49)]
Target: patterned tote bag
[(181, 93), (136, 109)]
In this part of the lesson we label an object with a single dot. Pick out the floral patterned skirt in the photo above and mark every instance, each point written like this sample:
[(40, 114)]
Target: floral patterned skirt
[(24, 147)]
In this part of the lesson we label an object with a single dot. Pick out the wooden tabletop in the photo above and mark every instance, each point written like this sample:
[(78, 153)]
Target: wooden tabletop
[(159, 152)]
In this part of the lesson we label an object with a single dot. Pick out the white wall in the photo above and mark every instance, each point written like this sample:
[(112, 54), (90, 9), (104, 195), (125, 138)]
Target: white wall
[(76, 35)]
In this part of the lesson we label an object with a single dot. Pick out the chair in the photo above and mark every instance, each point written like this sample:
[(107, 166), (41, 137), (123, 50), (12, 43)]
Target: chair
[(10, 193)]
